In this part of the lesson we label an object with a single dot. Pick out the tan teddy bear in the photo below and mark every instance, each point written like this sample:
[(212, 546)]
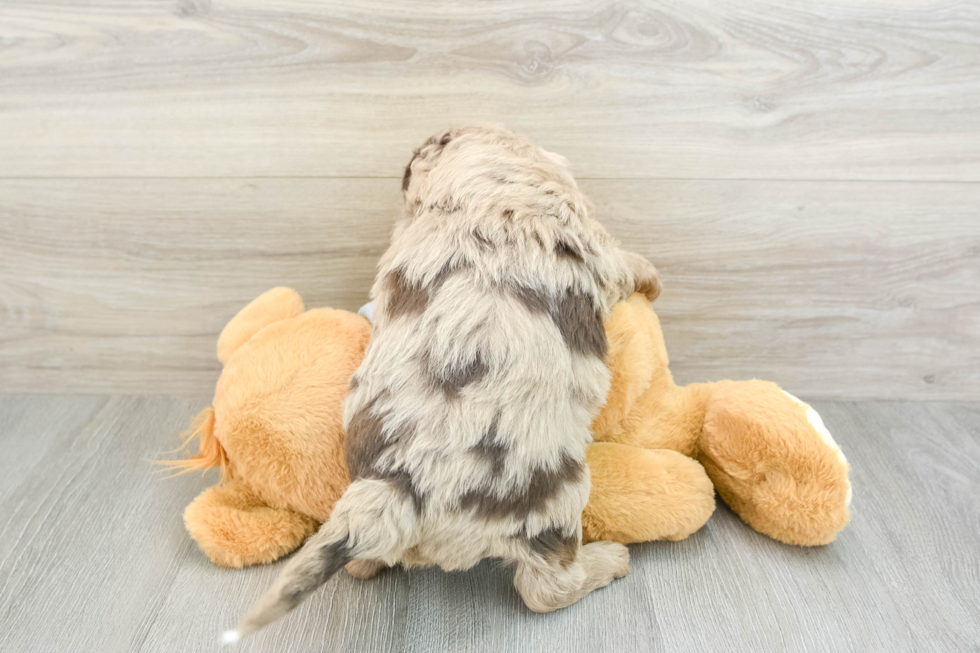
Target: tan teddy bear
[(275, 431)]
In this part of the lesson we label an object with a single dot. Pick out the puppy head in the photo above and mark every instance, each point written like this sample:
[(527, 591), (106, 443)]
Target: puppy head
[(484, 164)]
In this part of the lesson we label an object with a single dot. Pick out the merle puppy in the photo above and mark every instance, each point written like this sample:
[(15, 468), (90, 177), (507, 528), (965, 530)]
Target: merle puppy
[(468, 419)]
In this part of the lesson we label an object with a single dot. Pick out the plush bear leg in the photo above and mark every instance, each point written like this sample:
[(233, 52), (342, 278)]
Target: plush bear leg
[(364, 569), (774, 463), (640, 495), (235, 529)]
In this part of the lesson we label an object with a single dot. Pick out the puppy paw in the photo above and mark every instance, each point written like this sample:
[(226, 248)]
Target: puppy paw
[(619, 557), (610, 558)]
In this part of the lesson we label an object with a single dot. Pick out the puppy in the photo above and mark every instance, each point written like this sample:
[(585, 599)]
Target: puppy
[(467, 421)]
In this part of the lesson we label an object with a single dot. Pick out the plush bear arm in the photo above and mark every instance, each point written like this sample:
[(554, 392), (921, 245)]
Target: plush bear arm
[(640, 495), (235, 529)]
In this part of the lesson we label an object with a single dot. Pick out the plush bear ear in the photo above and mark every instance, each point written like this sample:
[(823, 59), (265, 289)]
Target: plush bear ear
[(271, 306)]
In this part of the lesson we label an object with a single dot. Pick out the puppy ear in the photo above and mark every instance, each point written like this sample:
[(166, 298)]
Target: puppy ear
[(641, 276), (407, 177)]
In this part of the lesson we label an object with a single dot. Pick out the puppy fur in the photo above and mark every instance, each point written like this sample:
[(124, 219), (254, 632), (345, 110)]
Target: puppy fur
[(467, 420)]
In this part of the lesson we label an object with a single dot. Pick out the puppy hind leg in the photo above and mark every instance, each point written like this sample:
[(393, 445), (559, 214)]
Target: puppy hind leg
[(550, 582)]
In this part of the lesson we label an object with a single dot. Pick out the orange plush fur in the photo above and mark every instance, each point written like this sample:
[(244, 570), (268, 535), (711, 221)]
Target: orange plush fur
[(767, 453), (276, 422), (275, 430)]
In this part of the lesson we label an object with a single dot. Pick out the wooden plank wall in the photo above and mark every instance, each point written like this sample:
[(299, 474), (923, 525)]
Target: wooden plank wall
[(806, 175)]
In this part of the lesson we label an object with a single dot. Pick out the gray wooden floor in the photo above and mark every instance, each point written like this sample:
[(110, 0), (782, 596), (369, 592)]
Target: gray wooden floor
[(94, 557)]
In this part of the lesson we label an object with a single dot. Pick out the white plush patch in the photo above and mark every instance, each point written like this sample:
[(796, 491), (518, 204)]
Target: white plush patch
[(367, 311), (817, 423), (230, 637)]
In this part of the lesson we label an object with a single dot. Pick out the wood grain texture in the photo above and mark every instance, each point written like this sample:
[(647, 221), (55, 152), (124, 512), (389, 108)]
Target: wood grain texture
[(93, 556), (90, 541), (694, 89), (831, 289)]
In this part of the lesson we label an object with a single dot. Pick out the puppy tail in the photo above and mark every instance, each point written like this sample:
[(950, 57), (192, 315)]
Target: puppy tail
[(374, 519), (320, 558)]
